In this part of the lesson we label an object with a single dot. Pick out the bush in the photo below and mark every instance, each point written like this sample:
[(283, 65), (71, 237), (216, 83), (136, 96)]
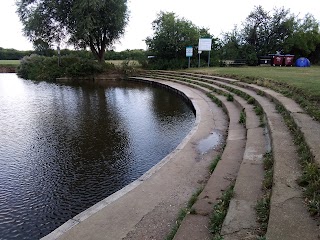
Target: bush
[(42, 68), (167, 64)]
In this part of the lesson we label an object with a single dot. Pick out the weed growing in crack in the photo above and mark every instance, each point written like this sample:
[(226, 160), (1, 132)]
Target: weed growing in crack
[(263, 210), (230, 97), (263, 205), (242, 118), (219, 212), (310, 179), (215, 99), (268, 167), (183, 213), (258, 110), (251, 100), (214, 163), (194, 198), (193, 211)]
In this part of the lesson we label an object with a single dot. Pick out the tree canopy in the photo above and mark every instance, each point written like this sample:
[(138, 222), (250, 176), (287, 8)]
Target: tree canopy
[(172, 34), (265, 32), (96, 24)]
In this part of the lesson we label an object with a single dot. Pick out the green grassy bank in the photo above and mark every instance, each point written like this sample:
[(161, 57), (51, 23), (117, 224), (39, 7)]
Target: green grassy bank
[(300, 84), (307, 79), (9, 63)]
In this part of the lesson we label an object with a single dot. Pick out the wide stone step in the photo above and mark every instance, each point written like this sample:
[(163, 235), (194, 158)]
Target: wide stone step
[(223, 176), (287, 201), (308, 126), (241, 219)]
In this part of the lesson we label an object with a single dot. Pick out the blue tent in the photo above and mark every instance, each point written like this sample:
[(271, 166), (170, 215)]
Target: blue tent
[(303, 62)]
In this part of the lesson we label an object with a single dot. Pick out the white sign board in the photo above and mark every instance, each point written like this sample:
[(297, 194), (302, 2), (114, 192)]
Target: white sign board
[(189, 51), (205, 44)]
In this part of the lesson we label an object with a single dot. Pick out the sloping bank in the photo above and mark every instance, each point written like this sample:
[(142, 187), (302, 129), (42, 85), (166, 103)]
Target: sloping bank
[(7, 69), (148, 206)]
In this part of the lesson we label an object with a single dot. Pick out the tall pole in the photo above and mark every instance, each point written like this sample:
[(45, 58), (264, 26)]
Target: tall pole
[(209, 59), (59, 60)]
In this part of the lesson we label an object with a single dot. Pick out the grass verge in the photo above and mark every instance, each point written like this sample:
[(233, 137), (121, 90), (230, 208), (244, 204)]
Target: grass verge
[(183, 213), (230, 97), (242, 118), (214, 164), (219, 212), (300, 84), (263, 205), (9, 63), (310, 179), (189, 210)]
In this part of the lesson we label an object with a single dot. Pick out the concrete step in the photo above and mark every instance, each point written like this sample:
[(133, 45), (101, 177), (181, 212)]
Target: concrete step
[(223, 176), (287, 201), (147, 208), (241, 219), (308, 126)]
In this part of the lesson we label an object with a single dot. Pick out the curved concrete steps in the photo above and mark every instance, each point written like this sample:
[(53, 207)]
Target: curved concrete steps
[(289, 218), (248, 175), (147, 207), (307, 124)]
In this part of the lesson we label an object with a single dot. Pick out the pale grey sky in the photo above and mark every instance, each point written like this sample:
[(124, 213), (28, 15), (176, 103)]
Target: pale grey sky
[(218, 16)]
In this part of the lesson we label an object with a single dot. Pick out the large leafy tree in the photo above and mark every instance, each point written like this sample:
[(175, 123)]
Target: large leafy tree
[(267, 32), (171, 36), (305, 41), (96, 24)]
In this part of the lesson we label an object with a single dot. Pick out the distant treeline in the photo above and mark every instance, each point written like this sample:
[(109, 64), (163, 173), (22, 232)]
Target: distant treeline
[(13, 54)]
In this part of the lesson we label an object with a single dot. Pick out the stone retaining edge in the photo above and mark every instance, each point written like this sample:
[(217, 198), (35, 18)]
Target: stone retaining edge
[(115, 196)]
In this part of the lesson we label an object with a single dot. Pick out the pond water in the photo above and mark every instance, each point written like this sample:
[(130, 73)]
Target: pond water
[(64, 148)]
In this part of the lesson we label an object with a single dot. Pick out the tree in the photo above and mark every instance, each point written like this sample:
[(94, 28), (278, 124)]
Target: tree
[(171, 36), (42, 48), (96, 24), (267, 32), (305, 40), (231, 45)]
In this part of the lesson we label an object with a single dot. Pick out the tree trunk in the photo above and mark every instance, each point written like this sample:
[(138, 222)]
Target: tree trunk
[(101, 55), (98, 51)]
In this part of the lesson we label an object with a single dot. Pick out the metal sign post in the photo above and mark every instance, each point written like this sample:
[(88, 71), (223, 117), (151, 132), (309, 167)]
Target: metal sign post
[(59, 55), (189, 53), (199, 52)]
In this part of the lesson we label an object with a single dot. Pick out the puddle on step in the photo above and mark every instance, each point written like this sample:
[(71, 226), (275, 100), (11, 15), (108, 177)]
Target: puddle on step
[(210, 143)]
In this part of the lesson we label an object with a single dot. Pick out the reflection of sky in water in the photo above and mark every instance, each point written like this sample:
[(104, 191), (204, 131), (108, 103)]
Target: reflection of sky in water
[(209, 143), (64, 148)]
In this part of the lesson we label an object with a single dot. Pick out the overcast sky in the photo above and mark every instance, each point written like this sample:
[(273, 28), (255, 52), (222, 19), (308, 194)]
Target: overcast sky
[(219, 16)]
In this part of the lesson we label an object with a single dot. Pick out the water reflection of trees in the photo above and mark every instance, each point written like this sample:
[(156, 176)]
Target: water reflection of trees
[(79, 145)]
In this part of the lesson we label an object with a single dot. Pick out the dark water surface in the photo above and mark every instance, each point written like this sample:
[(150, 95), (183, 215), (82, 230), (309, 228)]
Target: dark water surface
[(64, 148)]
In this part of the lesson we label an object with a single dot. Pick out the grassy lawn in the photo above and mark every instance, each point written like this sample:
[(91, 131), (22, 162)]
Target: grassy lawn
[(9, 62), (300, 84), (132, 63), (307, 79)]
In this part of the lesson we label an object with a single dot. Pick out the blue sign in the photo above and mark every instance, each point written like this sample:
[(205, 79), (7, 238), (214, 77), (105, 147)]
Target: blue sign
[(189, 51)]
